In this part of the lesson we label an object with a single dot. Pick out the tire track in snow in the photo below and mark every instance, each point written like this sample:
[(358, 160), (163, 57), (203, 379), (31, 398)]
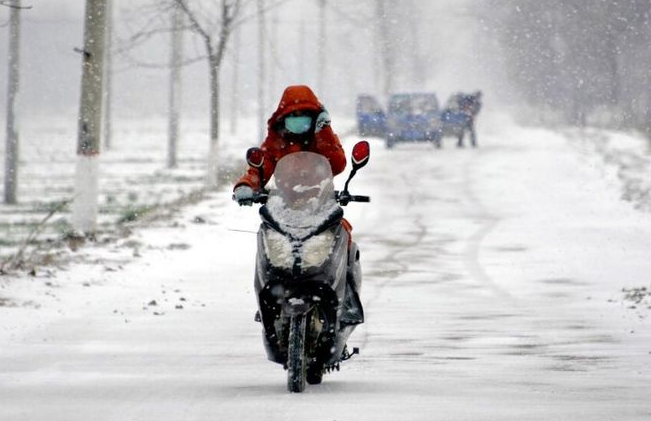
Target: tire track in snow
[(487, 222), (393, 257), (471, 249)]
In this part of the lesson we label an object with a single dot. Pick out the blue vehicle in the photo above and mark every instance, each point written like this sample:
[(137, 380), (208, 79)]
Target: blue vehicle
[(371, 120), (413, 117)]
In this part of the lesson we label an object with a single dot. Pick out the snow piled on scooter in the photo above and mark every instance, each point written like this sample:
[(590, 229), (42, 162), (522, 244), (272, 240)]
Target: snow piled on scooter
[(302, 195), (299, 218)]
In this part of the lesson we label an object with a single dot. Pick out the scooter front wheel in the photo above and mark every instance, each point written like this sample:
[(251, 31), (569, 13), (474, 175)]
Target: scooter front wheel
[(296, 360)]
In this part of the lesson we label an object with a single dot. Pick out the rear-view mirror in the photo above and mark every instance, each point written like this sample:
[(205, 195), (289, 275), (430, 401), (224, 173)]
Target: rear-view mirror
[(360, 155), (255, 157)]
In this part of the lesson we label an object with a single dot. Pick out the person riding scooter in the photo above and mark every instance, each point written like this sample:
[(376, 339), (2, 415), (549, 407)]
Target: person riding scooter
[(300, 123)]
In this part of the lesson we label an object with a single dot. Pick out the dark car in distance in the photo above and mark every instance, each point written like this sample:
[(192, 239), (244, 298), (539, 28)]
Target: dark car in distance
[(413, 117), (371, 120)]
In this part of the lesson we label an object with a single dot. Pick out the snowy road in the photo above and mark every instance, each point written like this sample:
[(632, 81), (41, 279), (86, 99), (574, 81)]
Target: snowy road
[(492, 289)]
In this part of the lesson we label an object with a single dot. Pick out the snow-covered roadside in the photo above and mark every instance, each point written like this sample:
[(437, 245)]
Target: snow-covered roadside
[(623, 159), (134, 179), (568, 250), (569, 185)]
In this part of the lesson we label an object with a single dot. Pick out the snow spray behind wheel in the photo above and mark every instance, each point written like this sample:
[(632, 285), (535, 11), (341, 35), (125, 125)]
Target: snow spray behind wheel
[(308, 275)]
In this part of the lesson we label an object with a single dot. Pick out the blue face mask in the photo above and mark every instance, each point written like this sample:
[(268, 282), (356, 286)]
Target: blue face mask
[(298, 124)]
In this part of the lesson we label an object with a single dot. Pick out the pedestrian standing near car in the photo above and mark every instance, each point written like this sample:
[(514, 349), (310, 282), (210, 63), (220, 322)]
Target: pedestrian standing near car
[(470, 104)]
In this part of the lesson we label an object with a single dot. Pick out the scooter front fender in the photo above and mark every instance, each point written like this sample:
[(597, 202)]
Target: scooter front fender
[(297, 306)]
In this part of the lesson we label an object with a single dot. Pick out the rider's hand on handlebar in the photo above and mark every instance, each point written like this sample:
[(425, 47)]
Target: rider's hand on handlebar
[(243, 195), (344, 198)]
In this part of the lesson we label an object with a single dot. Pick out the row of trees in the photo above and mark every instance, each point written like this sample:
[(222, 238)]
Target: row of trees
[(214, 35), (214, 24), (586, 61)]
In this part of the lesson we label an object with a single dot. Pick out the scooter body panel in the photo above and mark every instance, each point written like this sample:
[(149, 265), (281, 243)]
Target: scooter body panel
[(283, 292)]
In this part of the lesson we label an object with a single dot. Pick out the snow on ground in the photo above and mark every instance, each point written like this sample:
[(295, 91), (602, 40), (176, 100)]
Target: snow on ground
[(492, 288), (137, 159)]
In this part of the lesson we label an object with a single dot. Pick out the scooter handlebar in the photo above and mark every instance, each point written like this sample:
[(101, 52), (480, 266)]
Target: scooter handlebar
[(344, 198), (260, 197), (363, 199)]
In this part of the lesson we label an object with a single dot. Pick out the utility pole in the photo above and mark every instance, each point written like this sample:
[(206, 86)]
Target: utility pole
[(261, 72), (174, 98), (11, 150), (85, 203)]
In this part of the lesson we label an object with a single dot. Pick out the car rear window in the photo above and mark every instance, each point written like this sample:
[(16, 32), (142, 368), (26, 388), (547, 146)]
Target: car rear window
[(413, 104)]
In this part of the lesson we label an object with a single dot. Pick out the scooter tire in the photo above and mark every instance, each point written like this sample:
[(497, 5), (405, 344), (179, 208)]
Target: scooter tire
[(296, 359)]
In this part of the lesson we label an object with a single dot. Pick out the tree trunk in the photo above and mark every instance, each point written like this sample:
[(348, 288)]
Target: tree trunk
[(108, 76), (11, 151), (612, 57), (417, 67), (84, 211), (273, 54), (235, 88), (261, 73), (174, 99), (321, 44), (385, 47), (214, 53), (302, 58), (213, 156)]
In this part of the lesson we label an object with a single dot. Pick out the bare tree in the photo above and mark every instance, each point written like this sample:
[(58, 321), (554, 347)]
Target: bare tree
[(176, 57), (272, 49), (84, 211), (302, 49), (214, 30), (235, 82), (215, 46), (108, 77), (584, 61), (322, 44), (385, 47), (11, 151), (261, 69)]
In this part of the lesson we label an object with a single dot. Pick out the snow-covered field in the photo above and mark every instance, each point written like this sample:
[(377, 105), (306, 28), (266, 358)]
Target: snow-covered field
[(493, 290), (133, 178)]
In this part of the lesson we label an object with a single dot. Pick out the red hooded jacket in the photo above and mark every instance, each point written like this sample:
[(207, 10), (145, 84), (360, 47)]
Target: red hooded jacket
[(275, 146)]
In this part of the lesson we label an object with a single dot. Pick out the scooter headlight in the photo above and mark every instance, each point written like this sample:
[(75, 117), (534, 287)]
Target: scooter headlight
[(278, 249), (313, 252), (317, 249)]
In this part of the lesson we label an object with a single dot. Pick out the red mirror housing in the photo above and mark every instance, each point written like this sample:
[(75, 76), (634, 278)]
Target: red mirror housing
[(255, 157), (361, 153)]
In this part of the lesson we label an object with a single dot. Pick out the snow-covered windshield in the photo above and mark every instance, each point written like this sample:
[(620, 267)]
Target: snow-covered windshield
[(302, 194)]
